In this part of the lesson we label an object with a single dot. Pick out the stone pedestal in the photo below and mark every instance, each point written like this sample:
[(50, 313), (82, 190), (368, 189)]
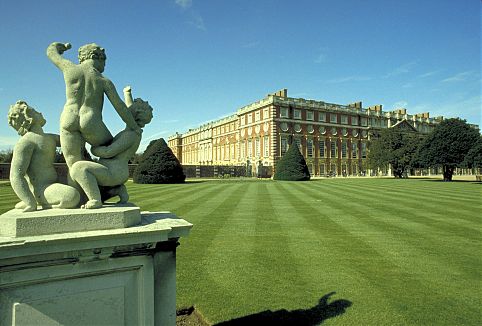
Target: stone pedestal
[(120, 276)]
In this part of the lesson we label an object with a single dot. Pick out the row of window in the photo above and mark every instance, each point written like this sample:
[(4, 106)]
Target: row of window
[(324, 146), (256, 116), (322, 117)]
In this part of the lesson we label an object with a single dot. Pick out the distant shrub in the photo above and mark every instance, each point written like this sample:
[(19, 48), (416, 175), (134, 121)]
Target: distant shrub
[(292, 166), (158, 165)]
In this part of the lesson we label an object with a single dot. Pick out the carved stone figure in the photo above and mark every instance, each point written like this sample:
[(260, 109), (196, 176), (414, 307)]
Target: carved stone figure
[(81, 119), (32, 174), (112, 169)]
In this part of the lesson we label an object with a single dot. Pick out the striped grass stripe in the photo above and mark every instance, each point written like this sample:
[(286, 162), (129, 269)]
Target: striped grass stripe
[(402, 252)]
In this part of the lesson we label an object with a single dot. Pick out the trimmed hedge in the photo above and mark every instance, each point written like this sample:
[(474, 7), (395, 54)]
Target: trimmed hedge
[(158, 165), (292, 166)]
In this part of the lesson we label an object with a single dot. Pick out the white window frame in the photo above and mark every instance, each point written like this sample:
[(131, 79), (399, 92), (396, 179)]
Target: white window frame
[(333, 118), (284, 112), (322, 116), (297, 114), (309, 115)]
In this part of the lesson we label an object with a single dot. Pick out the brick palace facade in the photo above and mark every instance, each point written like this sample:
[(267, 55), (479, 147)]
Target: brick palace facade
[(332, 137)]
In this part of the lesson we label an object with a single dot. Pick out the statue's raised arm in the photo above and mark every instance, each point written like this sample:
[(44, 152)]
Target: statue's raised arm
[(54, 53)]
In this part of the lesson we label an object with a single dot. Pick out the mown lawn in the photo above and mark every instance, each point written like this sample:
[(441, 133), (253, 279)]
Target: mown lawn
[(334, 251)]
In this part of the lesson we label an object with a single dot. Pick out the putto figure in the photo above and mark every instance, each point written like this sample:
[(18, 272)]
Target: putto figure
[(81, 119), (112, 171), (32, 173)]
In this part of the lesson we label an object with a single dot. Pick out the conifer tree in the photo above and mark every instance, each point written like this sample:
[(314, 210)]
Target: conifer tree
[(158, 165), (292, 166)]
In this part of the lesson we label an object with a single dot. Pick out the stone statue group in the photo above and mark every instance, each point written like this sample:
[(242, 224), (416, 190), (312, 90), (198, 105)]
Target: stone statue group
[(33, 176)]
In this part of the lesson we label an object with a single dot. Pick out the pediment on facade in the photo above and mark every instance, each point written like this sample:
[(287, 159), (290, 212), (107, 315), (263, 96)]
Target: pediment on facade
[(404, 125)]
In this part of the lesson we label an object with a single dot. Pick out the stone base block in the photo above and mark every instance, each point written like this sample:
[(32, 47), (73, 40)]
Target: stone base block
[(124, 276), (15, 223)]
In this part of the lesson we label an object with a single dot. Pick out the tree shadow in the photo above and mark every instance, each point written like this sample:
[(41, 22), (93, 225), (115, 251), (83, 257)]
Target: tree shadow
[(300, 317)]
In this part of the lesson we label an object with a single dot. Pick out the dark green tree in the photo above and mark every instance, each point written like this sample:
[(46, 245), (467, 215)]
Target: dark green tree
[(395, 148), (447, 145), (135, 159), (6, 156), (158, 165), (292, 166), (473, 159)]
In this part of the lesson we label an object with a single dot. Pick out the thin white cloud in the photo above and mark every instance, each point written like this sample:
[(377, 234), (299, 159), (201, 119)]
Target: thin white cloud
[(348, 79), (184, 3), (429, 74), (399, 105), (458, 77), (403, 69), (197, 21), (407, 85)]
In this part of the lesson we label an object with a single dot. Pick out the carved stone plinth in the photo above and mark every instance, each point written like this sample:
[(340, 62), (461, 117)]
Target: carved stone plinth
[(121, 276)]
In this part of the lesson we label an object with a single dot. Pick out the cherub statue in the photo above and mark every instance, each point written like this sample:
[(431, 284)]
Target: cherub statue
[(32, 174), (81, 119), (112, 169)]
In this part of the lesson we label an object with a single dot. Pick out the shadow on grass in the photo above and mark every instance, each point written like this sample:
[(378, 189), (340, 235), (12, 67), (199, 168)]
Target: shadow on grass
[(301, 317)]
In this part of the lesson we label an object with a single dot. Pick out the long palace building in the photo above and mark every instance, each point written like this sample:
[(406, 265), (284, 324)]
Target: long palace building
[(332, 137)]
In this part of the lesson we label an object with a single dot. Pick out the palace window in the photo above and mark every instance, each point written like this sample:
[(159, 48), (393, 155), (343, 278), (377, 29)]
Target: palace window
[(309, 147), (354, 150), (257, 116), (266, 146), (283, 113), (265, 114), (250, 148), (250, 118), (333, 149), (364, 150), (344, 119), (321, 145), (354, 121), (233, 152), (257, 147), (333, 118), (322, 116), (284, 145), (343, 149), (296, 114), (309, 115), (322, 169), (364, 122), (243, 150)]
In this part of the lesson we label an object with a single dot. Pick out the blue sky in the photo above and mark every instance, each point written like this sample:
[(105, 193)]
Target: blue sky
[(195, 60)]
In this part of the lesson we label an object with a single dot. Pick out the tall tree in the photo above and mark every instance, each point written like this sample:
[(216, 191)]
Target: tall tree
[(6, 156), (394, 148), (292, 166), (473, 159), (447, 145)]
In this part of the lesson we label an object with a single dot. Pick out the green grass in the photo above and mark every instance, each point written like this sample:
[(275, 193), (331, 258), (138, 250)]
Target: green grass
[(396, 252)]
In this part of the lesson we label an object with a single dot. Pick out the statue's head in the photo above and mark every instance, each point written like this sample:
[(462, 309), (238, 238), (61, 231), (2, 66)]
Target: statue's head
[(94, 52), (21, 117), (141, 112)]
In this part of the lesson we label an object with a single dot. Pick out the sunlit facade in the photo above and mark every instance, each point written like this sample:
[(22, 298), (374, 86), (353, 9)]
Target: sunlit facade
[(333, 138)]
